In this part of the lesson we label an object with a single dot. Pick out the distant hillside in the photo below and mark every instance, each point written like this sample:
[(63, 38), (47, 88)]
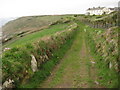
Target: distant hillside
[(25, 26), (28, 23), (0, 34), (3, 21)]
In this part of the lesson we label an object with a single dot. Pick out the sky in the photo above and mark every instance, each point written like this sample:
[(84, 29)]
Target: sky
[(18, 8)]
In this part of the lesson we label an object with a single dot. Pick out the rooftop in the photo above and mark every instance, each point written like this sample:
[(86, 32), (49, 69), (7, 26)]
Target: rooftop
[(97, 8)]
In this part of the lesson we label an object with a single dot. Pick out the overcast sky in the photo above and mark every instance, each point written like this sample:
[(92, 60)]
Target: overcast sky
[(18, 8)]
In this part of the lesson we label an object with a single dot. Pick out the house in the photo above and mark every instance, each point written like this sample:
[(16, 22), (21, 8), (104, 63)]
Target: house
[(99, 11)]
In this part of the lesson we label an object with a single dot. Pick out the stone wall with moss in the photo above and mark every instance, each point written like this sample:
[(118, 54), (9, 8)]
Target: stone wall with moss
[(104, 46)]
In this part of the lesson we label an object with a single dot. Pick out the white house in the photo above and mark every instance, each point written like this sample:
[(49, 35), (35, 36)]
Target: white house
[(99, 11)]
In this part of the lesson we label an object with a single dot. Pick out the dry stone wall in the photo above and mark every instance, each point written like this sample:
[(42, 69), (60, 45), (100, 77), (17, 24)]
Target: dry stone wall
[(20, 63)]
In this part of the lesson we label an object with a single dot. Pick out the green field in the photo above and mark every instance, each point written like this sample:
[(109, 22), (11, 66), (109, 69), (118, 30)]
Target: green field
[(29, 23), (37, 35)]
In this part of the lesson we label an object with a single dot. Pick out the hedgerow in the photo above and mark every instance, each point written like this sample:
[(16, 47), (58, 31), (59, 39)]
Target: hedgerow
[(104, 47), (17, 60)]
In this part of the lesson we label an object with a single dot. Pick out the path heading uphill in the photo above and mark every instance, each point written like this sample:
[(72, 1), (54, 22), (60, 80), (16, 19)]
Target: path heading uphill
[(76, 69)]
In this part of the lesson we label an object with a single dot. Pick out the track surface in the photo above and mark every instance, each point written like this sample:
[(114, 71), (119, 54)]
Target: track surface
[(76, 69)]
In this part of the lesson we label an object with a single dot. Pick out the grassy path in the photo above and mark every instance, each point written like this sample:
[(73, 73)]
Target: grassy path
[(74, 70)]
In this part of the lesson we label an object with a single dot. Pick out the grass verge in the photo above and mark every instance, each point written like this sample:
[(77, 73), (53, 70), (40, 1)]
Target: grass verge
[(108, 77)]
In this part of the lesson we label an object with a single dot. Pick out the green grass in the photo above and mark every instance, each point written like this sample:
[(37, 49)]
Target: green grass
[(72, 57), (37, 35)]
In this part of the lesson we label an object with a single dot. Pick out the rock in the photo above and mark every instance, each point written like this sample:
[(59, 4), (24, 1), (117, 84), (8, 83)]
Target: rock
[(96, 82), (8, 84), (33, 64), (92, 62), (110, 65), (6, 49), (46, 57)]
